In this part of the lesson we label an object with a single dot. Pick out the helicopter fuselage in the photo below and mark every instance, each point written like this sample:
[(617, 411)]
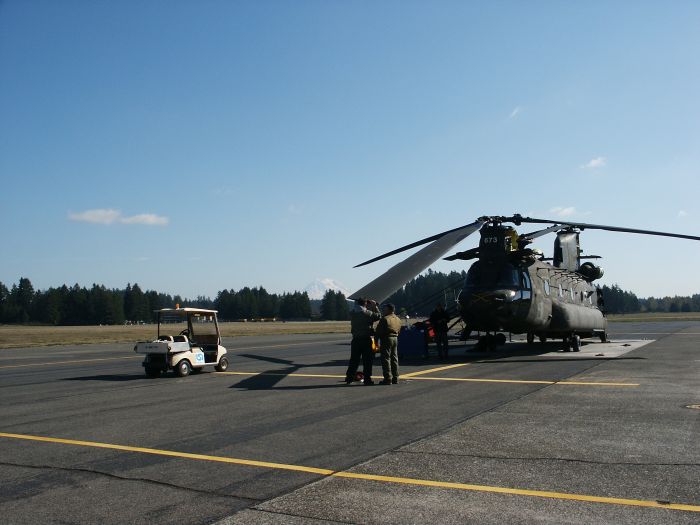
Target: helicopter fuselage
[(527, 295)]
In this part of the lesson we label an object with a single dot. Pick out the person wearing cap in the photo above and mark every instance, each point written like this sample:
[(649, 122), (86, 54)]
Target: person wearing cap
[(388, 331), (362, 319)]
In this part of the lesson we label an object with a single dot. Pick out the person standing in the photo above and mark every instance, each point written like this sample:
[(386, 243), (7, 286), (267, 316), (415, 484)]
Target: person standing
[(362, 318), (439, 320), (388, 331)]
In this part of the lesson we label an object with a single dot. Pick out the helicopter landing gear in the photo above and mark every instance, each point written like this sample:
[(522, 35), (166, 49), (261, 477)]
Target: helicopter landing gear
[(572, 343), (576, 343)]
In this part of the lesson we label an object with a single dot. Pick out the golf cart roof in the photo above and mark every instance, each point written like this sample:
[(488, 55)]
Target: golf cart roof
[(186, 310)]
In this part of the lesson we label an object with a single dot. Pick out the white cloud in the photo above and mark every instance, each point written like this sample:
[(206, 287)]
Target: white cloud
[(100, 216), (149, 219), (563, 212), (515, 112), (682, 213), (595, 163), (110, 216)]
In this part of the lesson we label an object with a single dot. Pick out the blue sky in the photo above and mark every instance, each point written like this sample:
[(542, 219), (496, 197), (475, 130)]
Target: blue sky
[(196, 146)]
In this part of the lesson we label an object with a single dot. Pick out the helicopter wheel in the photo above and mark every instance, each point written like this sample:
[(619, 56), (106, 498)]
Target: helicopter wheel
[(567, 344), (576, 343), (543, 339), (603, 337), (530, 338)]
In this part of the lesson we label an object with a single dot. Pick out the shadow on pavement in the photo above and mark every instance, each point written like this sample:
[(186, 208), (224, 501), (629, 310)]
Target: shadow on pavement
[(108, 377)]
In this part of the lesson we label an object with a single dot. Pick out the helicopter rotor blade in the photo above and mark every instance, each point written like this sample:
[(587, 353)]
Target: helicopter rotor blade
[(418, 243), (540, 233), (394, 278), (585, 226)]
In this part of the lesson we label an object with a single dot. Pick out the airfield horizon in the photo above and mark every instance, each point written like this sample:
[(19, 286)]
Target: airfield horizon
[(21, 336)]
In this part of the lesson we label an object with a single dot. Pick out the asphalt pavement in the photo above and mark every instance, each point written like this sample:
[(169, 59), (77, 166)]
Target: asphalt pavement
[(522, 435)]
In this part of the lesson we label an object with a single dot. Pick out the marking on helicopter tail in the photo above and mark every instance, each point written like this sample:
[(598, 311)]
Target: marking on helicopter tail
[(368, 477)]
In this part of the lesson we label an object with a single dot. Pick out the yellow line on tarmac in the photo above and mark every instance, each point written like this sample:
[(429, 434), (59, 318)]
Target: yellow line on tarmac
[(522, 381), (171, 453), (412, 377), (329, 376), (521, 492), (421, 372), (72, 362), (367, 477)]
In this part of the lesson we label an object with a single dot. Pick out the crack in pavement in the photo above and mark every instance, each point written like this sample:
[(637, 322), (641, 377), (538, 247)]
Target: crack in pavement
[(566, 460), (126, 478)]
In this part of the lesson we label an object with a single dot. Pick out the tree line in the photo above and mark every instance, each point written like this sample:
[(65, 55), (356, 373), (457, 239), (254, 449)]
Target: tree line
[(78, 305), (257, 303), (618, 301)]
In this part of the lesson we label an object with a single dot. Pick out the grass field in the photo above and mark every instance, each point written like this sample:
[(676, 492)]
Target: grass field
[(654, 316), (14, 336)]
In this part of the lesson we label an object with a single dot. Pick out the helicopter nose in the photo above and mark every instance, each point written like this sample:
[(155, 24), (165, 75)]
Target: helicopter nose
[(493, 297), (501, 296)]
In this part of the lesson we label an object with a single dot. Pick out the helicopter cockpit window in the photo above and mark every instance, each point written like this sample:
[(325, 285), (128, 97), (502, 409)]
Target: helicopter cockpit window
[(482, 276)]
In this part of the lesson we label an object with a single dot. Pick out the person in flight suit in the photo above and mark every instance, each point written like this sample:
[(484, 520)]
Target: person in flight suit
[(439, 320), (388, 331), (362, 318)]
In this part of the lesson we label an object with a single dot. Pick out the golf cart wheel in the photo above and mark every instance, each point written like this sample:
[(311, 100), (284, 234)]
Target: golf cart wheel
[(183, 368), (222, 366), (152, 371)]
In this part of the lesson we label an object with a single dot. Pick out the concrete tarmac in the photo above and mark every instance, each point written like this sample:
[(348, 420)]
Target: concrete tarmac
[(523, 435)]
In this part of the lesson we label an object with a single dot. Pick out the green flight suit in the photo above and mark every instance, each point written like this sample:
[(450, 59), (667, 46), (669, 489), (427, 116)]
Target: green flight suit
[(361, 321), (388, 331)]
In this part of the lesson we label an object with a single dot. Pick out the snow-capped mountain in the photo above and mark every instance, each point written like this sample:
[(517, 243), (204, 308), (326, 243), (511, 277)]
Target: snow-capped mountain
[(319, 287)]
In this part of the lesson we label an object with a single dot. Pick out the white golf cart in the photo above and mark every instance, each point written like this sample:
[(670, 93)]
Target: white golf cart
[(188, 340)]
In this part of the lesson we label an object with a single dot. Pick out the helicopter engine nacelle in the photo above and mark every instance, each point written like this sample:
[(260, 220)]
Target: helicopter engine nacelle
[(567, 251), (497, 242), (590, 271)]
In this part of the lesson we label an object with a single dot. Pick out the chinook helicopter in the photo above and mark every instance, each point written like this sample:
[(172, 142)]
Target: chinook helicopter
[(512, 287)]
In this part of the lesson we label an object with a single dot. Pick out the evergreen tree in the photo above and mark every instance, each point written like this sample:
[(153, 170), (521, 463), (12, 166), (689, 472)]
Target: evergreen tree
[(329, 306), (342, 311), (4, 297)]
